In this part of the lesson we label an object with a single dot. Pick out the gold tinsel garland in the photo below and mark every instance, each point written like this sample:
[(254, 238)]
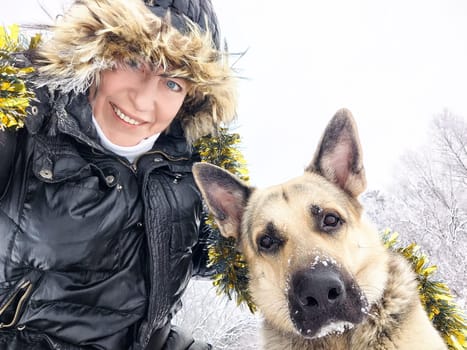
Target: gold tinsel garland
[(436, 297), (231, 278), (14, 95)]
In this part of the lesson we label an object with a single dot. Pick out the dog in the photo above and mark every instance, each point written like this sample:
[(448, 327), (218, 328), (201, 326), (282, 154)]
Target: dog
[(318, 270)]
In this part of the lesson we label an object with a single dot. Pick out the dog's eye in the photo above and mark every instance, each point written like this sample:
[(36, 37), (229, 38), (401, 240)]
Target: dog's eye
[(269, 244), (330, 222), (270, 240)]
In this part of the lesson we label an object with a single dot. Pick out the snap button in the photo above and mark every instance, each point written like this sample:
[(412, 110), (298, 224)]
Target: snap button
[(46, 174), (119, 187), (177, 178), (157, 160), (21, 327), (34, 110), (110, 179)]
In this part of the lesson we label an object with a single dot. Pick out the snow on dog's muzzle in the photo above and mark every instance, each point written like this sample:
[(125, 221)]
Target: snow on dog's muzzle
[(324, 299)]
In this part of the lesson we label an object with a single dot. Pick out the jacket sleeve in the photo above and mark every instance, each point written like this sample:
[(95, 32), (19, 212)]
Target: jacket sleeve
[(206, 236), (7, 155), (200, 251)]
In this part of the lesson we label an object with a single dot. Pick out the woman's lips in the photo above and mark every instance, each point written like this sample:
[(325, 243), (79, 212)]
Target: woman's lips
[(124, 117)]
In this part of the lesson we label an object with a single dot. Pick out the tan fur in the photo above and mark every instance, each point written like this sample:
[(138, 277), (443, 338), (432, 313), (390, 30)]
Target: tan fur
[(99, 34), (380, 286)]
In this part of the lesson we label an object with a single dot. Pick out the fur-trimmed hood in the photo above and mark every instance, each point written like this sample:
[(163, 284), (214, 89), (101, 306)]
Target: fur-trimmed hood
[(95, 35)]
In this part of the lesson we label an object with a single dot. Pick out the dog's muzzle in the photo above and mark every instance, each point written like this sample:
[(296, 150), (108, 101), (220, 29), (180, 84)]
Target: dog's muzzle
[(324, 299)]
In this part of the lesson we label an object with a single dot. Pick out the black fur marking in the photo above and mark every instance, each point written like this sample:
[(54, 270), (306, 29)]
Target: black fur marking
[(270, 240), (316, 209), (285, 196)]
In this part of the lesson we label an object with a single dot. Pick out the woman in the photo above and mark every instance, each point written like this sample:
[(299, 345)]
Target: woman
[(99, 214)]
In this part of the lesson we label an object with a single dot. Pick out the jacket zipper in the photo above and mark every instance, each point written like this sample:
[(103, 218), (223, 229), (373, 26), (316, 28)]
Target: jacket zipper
[(134, 168)]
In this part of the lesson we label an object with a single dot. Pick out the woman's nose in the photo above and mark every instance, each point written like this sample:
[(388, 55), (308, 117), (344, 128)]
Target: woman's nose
[(145, 95)]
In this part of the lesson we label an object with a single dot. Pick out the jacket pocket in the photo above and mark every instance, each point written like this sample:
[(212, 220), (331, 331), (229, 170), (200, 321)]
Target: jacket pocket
[(15, 298), (67, 165)]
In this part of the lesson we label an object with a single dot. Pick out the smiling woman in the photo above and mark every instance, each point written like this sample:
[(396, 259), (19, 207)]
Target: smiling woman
[(100, 217), (132, 104)]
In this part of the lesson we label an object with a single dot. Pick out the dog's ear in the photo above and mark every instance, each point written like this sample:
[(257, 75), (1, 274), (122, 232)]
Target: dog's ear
[(225, 195), (339, 155)]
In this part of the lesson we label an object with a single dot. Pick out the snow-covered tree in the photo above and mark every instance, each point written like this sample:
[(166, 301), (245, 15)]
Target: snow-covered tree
[(427, 202)]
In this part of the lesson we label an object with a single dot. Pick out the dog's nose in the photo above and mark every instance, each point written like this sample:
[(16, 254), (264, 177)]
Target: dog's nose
[(320, 288)]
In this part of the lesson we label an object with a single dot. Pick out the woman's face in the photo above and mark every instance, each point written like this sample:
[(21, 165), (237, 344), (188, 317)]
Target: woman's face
[(131, 104)]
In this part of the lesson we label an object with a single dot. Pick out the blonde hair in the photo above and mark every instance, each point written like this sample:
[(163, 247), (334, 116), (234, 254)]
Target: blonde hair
[(95, 35)]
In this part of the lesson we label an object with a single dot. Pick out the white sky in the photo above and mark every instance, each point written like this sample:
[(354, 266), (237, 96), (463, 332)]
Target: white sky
[(394, 64)]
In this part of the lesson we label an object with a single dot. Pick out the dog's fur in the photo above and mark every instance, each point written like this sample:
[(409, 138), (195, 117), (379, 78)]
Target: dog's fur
[(319, 272)]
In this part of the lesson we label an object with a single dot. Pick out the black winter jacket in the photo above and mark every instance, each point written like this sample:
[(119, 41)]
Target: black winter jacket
[(94, 253)]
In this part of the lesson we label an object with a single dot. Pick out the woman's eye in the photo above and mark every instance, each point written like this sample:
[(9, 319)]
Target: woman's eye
[(172, 85)]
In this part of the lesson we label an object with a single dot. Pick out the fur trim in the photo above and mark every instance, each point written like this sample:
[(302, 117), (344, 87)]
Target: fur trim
[(99, 34)]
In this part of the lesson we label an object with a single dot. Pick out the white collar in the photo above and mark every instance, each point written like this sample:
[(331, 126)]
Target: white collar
[(129, 152)]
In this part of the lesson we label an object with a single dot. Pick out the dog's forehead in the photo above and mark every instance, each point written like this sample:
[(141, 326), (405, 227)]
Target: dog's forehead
[(304, 188), (295, 196)]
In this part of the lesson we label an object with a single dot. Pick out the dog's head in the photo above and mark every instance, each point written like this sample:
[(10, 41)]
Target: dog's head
[(315, 265)]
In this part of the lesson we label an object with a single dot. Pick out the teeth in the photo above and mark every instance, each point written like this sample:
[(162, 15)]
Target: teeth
[(124, 117)]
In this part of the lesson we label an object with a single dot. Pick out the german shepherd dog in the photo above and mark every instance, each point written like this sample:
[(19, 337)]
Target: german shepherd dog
[(318, 272)]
